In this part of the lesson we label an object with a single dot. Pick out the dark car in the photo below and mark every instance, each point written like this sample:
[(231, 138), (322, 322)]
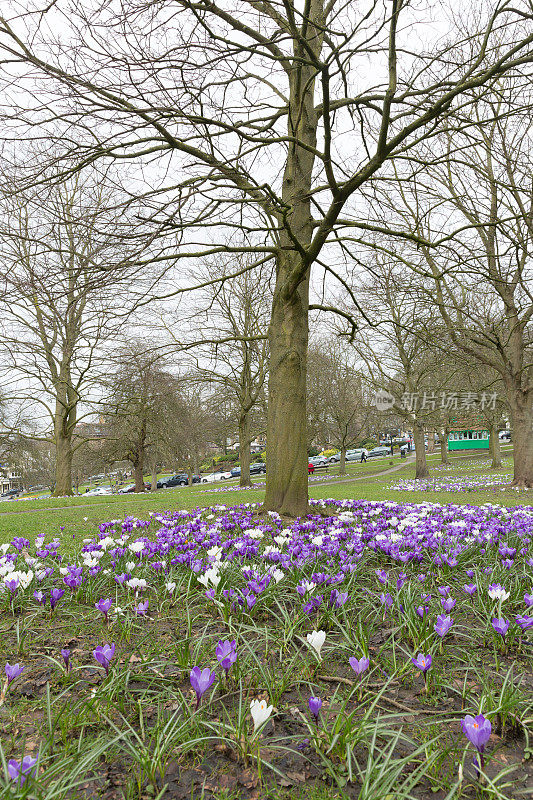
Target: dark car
[(258, 468), (236, 472), (177, 480), (11, 493), (378, 452)]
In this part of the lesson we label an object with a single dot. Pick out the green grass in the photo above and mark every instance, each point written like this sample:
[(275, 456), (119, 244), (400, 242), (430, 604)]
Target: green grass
[(79, 515)]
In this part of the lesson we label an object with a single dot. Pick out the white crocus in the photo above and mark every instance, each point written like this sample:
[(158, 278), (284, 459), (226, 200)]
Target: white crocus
[(130, 566), (278, 575), (170, 586), (136, 547), (498, 593), (316, 640), (260, 712)]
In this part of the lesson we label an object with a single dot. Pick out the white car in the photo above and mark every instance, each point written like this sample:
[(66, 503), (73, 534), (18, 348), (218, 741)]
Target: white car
[(100, 490), (213, 477)]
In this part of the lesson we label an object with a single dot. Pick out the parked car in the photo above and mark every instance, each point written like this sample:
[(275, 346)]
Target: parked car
[(258, 468), (378, 452), (505, 435), (177, 480), (355, 455), (318, 461), (213, 477), (130, 487), (99, 490), (11, 493), (235, 472), (335, 458)]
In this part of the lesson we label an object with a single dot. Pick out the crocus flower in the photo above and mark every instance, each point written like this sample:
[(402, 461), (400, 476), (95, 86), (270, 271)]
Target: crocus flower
[(470, 588), (497, 592), (141, 608), (226, 652), (448, 604), (528, 599), (477, 730), (443, 625), (55, 597), (103, 654), (104, 605), (500, 625), (386, 599), (422, 611), (40, 597), (315, 704), (316, 640), (66, 658), (13, 671), (260, 712), (20, 771), (359, 665), (524, 622), (201, 681), (422, 662)]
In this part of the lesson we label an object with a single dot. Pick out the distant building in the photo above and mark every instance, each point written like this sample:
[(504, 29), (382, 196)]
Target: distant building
[(468, 433), (10, 478)]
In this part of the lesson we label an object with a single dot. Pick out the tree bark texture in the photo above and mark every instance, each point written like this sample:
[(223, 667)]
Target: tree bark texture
[(420, 448), (244, 448)]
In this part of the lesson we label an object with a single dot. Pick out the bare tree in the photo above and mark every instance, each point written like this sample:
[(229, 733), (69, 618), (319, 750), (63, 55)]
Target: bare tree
[(231, 348), (66, 273), (480, 206), (336, 390), (143, 409), (262, 118)]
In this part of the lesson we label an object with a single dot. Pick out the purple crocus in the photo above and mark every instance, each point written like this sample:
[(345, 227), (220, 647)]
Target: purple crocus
[(20, 771), (470, 588), (448, 604), (524, 622), (13, 671), (423, 663), (103, 654), (315, 704), (103, 605), (141, 608), (226, 652), (201, 681), (12, 584), (359, 665), (500, 625), (443, 625), (477, 730), (528, 599), (55, 597), (66, 658)]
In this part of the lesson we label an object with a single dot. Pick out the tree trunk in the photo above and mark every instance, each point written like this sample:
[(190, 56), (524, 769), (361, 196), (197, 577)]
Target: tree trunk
[(444, 447), (342, 462), (63, 471), (138, 473), (494, 446), (244, 449), (431, 440), (287, 482), (420, 459), (154, 478), (522, 417)]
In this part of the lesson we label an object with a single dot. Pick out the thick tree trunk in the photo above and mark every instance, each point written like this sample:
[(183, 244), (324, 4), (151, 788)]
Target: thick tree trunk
[(154, 478), (522, 419), (138, 473), (443, 435), (431, 440), (420, 459), (286, 485), (342, 462), (63, 471), (494, 447), (244, 449)]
